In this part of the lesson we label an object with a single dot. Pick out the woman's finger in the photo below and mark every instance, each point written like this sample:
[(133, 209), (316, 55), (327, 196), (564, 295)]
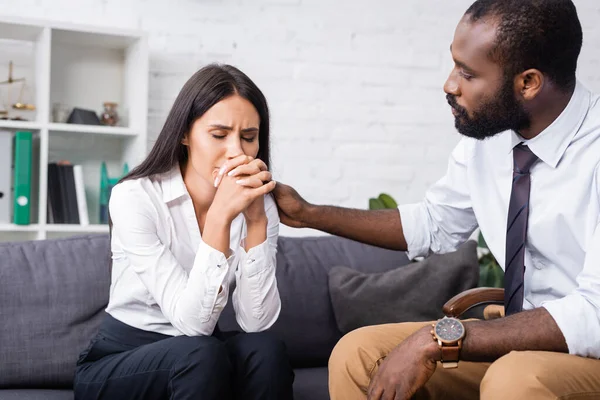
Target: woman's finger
[(246, 169), (251, 168), (264, 189), (231, 164), (255, 180)]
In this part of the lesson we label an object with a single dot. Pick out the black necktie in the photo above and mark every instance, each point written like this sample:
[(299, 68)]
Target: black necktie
[(516, 233)]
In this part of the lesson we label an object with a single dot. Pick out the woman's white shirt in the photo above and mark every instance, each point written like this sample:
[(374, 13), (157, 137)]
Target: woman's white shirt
[(165, 279)]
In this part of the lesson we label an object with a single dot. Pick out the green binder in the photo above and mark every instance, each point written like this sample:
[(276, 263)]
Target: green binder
[(22, 178)]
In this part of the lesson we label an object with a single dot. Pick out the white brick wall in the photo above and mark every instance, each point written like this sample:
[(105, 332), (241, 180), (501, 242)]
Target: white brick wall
[(355, 87)]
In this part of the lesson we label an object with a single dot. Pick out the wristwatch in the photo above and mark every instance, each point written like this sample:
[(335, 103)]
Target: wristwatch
[(449, 333)]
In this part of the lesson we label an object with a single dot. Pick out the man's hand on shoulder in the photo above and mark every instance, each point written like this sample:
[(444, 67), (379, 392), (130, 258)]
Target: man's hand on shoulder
[(292, 207)]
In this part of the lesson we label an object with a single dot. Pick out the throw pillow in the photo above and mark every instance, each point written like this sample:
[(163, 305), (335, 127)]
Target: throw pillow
[(414, 292)]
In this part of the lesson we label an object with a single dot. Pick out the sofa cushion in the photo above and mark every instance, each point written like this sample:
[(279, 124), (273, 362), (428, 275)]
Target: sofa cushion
[(310, 384), (52, 296), (416, 292), (306, 323)]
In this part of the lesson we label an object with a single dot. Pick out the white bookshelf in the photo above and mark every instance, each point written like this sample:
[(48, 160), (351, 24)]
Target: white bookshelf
[(78, 66)]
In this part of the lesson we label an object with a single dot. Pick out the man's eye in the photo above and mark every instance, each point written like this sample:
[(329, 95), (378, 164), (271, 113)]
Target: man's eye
[(465, 75)]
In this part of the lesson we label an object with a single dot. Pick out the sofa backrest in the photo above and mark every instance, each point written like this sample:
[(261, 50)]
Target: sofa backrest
[(53, 294)]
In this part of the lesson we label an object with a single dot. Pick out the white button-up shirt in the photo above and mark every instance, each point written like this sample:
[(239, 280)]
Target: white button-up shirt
[(166, 279), (562, 252)]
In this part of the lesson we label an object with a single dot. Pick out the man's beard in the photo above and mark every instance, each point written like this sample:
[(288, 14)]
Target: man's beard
[(501, 113)]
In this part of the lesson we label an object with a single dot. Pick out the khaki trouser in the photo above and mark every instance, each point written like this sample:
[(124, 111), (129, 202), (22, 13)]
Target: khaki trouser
[(518, 375)]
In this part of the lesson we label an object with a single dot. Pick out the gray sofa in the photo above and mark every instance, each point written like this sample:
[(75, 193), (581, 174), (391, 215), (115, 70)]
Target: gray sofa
[(53, 294)]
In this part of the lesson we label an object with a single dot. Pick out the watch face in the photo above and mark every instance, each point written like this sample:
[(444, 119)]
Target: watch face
[(449, 329)]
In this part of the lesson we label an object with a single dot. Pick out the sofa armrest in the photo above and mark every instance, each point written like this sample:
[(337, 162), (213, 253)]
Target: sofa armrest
[(463, 302)]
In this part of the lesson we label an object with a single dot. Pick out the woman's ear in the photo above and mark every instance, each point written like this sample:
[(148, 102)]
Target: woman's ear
[(185, 141)]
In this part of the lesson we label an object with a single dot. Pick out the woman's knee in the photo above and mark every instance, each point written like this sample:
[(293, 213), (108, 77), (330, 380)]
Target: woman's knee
[(262, 346), (203, 352)]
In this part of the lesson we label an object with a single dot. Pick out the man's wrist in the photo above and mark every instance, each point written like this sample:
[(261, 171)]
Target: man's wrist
[(432, 348), (309, 215)]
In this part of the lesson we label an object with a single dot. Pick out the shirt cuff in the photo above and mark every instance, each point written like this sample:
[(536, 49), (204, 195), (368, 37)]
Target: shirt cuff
[(577, 320), (210, 267), (255, 260), (413, 221)]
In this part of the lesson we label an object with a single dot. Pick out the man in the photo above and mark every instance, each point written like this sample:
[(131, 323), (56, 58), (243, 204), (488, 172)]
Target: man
[(532, 187)]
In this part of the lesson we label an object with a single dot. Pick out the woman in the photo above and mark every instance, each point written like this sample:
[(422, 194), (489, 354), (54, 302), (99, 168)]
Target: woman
[(179, 238)]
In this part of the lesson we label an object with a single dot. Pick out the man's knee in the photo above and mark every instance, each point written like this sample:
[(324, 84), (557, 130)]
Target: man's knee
[(355, 353), (515, 375)]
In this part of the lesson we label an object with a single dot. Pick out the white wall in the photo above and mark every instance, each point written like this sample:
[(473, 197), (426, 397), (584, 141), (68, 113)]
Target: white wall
[(355, 87)]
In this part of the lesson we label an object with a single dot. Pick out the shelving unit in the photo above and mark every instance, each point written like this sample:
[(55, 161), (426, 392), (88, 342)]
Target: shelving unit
[(83, 67)]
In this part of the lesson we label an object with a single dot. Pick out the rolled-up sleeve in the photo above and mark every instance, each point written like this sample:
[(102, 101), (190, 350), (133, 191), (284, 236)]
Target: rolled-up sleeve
[(578, 314), (193, 303), (445, 218), (256, 298)]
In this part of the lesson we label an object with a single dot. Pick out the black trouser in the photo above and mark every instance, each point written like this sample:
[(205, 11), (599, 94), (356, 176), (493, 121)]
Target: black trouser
[(123, 362)]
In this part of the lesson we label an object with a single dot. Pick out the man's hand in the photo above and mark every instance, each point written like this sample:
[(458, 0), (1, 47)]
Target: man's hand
[(291, 206), (407, 368)]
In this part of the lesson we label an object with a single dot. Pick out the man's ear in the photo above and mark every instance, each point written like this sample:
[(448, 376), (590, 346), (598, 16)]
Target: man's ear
[(529, 84)]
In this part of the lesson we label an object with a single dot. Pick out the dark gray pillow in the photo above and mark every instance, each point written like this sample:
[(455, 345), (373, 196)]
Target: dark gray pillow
[(414, 292)]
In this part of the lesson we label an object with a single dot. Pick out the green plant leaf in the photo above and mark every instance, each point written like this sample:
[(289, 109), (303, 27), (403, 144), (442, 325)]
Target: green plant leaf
[(376, 204), (388, 200), (498, 273), (483, 276), (481, 242)]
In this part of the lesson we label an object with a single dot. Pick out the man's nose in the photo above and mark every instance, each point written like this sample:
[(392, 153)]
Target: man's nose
[(451, 86)]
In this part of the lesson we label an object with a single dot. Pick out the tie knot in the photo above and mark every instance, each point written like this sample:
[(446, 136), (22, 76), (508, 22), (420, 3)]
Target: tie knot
[(523, 158)]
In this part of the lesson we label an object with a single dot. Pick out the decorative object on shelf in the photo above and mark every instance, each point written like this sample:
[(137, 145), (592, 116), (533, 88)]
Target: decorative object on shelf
[(60, 112), (109, 116), (19, 104), (106, 185), (84, 117)]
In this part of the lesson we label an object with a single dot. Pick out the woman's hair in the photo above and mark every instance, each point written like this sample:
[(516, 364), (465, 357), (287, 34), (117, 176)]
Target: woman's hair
[(203, 90)]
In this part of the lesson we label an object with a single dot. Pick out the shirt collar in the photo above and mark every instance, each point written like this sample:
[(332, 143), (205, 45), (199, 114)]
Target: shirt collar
[(172, 185), (552, 142)]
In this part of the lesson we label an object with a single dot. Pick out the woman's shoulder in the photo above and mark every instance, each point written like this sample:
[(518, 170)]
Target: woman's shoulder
[(136, 192)]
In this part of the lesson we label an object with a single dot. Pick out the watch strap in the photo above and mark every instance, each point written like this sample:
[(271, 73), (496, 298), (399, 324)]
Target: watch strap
[(450, 355)]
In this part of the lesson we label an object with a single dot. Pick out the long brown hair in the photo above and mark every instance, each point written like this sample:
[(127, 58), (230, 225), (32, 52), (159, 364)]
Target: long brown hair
[(204, 89)]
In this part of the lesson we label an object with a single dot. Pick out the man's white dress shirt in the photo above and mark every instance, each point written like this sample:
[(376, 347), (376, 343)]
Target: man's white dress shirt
[(165, 279), (562, 256)]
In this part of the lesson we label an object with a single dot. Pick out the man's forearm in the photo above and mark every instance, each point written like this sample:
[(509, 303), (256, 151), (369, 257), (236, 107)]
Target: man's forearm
[(527, 330), (382, 228)]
